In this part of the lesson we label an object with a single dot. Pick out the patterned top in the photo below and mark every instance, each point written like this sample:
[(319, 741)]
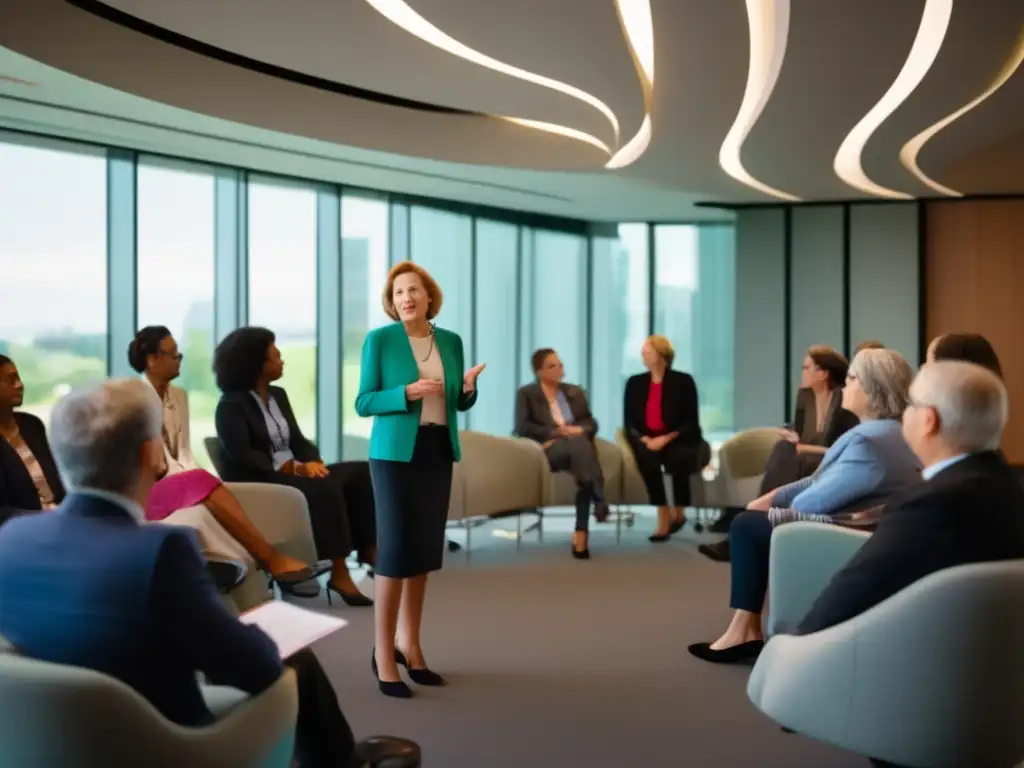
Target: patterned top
[(17, 442)]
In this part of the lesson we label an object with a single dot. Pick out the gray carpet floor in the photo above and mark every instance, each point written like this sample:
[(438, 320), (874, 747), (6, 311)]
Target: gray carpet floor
[(557, 662)]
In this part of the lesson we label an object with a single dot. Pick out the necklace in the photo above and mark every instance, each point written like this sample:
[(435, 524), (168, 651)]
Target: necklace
[(430, 351)]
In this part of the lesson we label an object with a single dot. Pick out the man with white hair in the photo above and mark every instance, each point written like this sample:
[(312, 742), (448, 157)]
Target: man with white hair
[(970, 509), (134, 601)]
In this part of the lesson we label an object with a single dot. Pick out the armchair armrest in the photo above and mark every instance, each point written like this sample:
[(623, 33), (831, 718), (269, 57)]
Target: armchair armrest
[(804, 557)]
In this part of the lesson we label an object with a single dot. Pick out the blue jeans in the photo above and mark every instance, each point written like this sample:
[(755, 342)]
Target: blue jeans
[(750, 538)]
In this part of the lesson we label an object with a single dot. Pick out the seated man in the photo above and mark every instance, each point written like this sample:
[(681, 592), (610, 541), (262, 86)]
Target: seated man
[(969, 510), (558, 417), (134, 601)]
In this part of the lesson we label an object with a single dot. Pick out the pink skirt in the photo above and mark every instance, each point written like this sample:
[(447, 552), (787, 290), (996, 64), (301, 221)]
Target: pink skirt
[(180, 491)]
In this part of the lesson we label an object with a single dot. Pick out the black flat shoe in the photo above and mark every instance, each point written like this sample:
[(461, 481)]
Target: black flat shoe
[(420, 676), (389, 751), (358, 600), (676, 525), (601, 511), (396, 690), (718, 552), (733, 655), (656, 538)]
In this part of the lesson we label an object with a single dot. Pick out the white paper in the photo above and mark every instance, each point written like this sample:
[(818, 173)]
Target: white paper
[(290, 627)]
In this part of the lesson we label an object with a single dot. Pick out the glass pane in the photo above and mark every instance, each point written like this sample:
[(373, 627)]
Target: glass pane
[(282, 286), (175, 281), (695, 300), (364, 268), (53, 258), (555, 302), (496, 314), (620, 320), (443, 243)]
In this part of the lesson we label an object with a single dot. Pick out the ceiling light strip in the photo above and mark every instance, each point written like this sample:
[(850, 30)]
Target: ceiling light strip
[(560, 130), (637, 24), (768, 21), (911, 150), (402, 15), (930, 36)]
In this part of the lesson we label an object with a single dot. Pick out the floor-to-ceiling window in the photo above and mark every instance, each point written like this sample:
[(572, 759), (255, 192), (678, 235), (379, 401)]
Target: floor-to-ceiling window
[(364, 269), (553, 301), (53, 262), (620, 319), (175, 272), (695, 300), (282, 284), (495, 331)]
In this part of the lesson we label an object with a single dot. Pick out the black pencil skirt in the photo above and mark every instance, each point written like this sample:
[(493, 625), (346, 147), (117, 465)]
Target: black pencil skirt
[(411, 500)]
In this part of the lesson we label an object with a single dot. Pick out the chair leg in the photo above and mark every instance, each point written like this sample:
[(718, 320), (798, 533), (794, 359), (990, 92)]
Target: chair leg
[(618, 525), (519, 530)]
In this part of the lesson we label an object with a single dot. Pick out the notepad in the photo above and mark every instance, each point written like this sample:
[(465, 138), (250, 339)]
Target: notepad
[(291, 628)]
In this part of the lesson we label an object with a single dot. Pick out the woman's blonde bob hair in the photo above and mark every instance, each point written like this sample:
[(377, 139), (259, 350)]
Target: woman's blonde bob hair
[(663, 347), (429, 285)]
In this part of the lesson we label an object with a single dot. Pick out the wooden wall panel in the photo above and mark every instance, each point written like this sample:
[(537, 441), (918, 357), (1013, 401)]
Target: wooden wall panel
[(974, 282)]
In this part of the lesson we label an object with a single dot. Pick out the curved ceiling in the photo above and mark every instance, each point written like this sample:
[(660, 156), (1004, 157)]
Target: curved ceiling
[(341, 83)]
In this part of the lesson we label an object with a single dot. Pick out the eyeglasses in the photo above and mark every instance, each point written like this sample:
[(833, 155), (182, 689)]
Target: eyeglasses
[(175, 356)]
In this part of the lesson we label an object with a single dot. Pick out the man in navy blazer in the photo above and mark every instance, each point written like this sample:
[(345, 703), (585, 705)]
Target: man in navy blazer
[(89, 585)]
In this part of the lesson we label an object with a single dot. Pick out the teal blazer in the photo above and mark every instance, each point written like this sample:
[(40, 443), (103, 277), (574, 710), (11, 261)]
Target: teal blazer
[(388, 365)]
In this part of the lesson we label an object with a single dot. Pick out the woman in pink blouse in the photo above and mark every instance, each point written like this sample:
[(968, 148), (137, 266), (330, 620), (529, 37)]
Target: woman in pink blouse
[(154, 354), (662, 423)]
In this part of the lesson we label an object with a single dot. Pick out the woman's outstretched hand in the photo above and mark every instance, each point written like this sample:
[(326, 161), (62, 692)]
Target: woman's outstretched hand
[(469, 380)]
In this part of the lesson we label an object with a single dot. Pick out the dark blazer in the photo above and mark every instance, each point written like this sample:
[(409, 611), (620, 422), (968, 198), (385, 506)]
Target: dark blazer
[(838, 420), (971, 512), (243, 435), (533, 414), (131, 601), (17, 490), (679, 409)]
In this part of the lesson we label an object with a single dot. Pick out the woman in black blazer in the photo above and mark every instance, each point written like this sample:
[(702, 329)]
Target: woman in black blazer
[(662, 423), (262, 443), (29, 480)]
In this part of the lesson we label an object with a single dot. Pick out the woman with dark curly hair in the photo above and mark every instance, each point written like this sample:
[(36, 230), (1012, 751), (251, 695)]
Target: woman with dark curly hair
[(262, 443), (185, 489)]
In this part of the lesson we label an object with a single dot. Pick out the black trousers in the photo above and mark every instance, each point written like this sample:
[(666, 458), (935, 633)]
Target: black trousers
[(577, 455), (679, 459), (750, 539), (341, 510), (323, 736)]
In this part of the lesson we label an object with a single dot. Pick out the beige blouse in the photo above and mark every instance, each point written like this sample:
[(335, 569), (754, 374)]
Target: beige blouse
[(428, 360)]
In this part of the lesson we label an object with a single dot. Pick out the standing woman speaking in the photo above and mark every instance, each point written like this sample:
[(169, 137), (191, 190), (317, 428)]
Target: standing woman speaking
[(412, 383)]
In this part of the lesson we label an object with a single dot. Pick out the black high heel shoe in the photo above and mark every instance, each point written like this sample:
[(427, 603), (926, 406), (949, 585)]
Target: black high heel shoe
[(420, 676), (396, 690), (580, 554), (358, 600)]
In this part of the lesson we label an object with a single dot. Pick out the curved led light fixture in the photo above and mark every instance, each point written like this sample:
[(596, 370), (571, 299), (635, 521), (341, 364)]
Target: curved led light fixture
[(768, 21), (399, 12), (911, 150), (638, 28), (561, 130), (930, 35)]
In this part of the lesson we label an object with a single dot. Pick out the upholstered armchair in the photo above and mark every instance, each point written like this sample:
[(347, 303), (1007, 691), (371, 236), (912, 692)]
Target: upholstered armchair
[(55, 715), (931, 677)]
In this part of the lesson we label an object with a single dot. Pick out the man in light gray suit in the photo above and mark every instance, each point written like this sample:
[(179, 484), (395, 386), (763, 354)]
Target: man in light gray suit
[(558, 417)]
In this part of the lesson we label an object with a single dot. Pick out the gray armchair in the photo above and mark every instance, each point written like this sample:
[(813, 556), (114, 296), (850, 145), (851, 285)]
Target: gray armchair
[(741, 464), (55, 715), (804, 557), (932, 677)]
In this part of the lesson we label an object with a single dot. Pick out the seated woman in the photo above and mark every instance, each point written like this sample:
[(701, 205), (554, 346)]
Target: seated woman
[(29, 480), (662, 422), (558, 417), (262, 443), (819, 418), (222, 526), (868, 463)]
